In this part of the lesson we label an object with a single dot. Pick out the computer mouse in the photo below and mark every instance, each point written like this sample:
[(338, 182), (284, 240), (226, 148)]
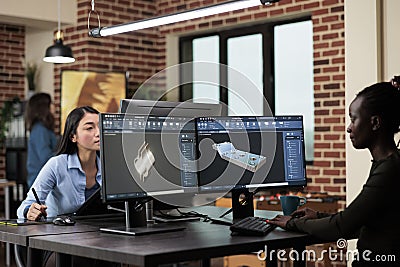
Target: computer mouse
[(64, 221)]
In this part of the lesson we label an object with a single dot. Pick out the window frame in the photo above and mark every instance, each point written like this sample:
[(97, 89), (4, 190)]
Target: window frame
[(266, 29)]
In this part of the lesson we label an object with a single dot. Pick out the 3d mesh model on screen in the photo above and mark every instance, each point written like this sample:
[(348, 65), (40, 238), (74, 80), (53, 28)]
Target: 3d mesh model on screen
[(246, 160), (144, 161)]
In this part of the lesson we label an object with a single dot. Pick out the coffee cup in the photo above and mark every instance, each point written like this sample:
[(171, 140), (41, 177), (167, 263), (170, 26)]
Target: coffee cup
[(290, 203)]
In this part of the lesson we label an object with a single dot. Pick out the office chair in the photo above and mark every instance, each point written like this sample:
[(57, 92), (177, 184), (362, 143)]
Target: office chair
[(20, 254)]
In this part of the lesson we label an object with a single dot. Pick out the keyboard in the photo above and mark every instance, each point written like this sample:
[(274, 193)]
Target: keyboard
[(252, 226)]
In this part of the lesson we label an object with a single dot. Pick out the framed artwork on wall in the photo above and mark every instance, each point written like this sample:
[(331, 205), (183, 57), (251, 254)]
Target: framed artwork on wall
[(100, 90)]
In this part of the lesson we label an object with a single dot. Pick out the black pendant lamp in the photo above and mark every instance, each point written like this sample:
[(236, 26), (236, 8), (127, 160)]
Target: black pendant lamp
[(59, 53)]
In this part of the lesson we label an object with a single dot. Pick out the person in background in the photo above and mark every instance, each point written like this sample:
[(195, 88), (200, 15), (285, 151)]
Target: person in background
[(375, 119), (42, 139)]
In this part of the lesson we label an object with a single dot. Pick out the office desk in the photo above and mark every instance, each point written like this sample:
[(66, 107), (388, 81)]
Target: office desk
[(6, 185), (21, 235), (200, 240)]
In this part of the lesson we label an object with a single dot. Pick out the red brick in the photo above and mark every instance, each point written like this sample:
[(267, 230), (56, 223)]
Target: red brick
[(312, 172), (332, 188), (332, 120), (332, 154), (322, 145), (322, 163), (321, 28), (329, 2), (311, 5), (330, 36), (313, 188), (331, 172), (293, 9), (332, 137), (322, 180)]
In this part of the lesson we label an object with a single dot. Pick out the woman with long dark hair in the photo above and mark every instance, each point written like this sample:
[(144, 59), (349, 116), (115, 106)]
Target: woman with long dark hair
[(42, 139), (70, 177)]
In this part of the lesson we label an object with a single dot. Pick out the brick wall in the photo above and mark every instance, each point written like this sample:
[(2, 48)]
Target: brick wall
[(12, 82), (142, 53), (328, 172)]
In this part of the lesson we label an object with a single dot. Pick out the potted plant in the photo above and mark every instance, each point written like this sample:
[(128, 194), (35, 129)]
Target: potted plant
[(6, 115), (30, 74)]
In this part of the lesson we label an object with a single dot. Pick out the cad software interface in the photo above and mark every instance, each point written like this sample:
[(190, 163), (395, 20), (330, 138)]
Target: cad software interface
[(250, 152), (155, 156), (147, 156)]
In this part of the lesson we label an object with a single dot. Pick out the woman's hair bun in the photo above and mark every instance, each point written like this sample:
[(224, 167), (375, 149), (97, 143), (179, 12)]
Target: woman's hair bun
[(396, 82)]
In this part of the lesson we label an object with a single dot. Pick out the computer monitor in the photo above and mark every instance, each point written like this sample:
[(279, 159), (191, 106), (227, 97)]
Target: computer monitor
[(169, 108), (160, 157), (146, 157), (244, 154)]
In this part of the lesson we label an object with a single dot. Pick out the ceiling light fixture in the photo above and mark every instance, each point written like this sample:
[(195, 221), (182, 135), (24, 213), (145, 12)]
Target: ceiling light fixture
[(59, 53), (177, 17)]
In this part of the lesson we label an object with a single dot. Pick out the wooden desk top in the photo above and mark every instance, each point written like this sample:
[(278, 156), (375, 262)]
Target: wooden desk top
[(20, 234), (199, 240)]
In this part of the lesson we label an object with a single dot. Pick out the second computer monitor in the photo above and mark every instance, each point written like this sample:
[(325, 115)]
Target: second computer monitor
[(169, 108), (250, 153)]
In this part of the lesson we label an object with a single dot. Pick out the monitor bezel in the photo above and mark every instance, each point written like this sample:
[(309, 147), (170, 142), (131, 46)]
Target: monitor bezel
[(268, 187), (143, 198), (164, 108)]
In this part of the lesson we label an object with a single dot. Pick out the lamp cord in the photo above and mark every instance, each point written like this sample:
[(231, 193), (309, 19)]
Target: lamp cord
[(59, 15)]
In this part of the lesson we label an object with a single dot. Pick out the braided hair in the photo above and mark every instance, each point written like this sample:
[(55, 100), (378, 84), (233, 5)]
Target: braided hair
[(383, 99)]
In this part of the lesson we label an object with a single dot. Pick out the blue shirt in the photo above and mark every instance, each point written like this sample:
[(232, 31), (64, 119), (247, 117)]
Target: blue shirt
[(60, 185), (41, 145)]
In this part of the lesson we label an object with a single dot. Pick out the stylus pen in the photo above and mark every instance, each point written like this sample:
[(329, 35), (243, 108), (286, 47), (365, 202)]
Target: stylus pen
[(36, 197)]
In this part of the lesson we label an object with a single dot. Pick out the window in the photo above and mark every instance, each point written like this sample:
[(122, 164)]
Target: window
[(277, 58)]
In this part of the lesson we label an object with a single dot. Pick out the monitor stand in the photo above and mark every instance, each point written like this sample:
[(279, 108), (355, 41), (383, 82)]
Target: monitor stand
[(137, 223), (242, 207), (242, 204)]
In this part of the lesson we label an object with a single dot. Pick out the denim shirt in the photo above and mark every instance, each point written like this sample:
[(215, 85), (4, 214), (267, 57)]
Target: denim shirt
[(60, 185), (41, 145)]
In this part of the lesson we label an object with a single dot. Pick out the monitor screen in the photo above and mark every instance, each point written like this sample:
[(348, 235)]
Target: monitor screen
[(177, 159), (146, 156), (168, 108), (250, 153)]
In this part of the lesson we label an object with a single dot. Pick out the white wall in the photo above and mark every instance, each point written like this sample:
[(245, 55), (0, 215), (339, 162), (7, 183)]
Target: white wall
[(38, 13), (36, 43), (372, 55)]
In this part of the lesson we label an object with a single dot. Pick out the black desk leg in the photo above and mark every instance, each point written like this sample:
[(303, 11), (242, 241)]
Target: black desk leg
[(300, 262), (272, 261), (34, 257), (63, 260), (205, 262)]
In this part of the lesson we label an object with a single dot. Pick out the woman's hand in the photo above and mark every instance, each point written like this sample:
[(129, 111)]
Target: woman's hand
[(306, 213), (36, 211), (280, 220)]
